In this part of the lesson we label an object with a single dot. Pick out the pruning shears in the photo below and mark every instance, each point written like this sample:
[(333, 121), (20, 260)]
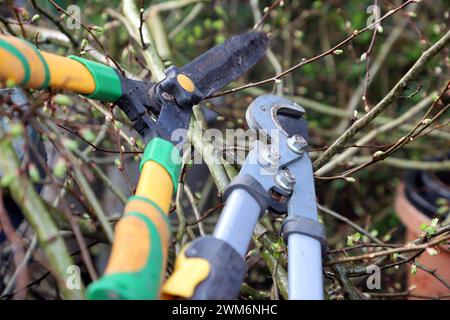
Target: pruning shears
[(138, 258), (275, 176)]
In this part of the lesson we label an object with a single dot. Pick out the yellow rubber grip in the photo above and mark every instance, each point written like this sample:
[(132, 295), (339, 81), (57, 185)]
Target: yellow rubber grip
[(69, 74), (139, 255), (23, 64), (154, 185)]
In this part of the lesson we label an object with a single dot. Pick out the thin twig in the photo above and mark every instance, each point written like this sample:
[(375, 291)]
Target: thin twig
[(16, 244), (75, 43), (395, 123), (34, 210), (141, 23), (385, 102), (193, 202), (89, 30), (388, 252), (310, 60), (267, 12)]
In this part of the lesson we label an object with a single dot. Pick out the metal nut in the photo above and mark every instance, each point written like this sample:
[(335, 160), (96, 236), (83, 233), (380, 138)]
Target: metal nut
[(285, 180), (297, 143), (268, 158)]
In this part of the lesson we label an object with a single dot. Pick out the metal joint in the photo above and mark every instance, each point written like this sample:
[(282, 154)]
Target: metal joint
[(297, 143), (285, 180), (308, 227), (253, 187)]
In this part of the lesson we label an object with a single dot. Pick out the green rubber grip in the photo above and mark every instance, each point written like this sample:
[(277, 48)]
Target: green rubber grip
[(44, 63), (143, 284), (13, 50), (108, 87), (164, 153)]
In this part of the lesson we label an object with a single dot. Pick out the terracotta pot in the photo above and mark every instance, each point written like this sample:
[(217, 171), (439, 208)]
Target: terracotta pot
[(412, 218)]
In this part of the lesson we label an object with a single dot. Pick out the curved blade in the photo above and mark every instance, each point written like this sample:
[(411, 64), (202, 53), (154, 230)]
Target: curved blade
[(215, 68)]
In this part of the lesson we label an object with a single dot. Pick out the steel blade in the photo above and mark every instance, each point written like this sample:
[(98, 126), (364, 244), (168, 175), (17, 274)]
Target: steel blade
[(215, 68)]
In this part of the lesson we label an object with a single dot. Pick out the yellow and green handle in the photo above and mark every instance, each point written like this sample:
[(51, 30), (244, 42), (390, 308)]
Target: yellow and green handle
[(139, 254), (22, 64)]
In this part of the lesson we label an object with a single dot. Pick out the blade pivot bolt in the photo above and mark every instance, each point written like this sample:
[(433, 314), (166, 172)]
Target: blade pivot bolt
[(285, 180), (297, 144), (268, 158), (166, 96)]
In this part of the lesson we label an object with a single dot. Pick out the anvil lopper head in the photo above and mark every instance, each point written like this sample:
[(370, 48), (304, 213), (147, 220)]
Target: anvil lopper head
[(171, 100), (283, 123), (274, 114)]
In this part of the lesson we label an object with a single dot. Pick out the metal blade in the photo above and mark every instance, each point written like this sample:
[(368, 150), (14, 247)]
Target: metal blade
[(220, 65)]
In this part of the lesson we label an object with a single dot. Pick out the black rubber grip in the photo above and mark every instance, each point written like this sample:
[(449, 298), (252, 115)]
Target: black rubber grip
[(253, 187), (308, 227), (228, 269)]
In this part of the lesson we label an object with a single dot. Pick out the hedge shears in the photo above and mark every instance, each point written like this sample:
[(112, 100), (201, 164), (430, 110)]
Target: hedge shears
[(275, 176), (139, 254)]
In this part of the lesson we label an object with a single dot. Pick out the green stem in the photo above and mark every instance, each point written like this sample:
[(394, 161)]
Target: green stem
[(384, 103), (330, 110), (150, 54), (280, 274), (253, 294), (94, 203), (210, 156), (37, 215)]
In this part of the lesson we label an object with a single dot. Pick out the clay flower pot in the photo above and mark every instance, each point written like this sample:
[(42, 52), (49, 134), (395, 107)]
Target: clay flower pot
[(415, 204)]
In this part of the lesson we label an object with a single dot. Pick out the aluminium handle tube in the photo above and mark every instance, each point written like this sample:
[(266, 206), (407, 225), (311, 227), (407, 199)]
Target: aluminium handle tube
[(304, 268), (305, 279), (238, 220)]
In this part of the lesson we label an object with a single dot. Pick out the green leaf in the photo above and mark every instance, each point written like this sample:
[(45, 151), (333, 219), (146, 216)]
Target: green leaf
[(117, 124), (317, 4), (218, 24), (60, 168), (377, 154), (413, 269), (431, 230), (98, 29), (349, 241), (219, 39), (207, 23), (63, 100), (10, 83), (197, 31), (442, 210), (356, 236), (16, 129), (6, 180), (35, 17), (88, 134), (70, 144), (434, 222), (33, 173)]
